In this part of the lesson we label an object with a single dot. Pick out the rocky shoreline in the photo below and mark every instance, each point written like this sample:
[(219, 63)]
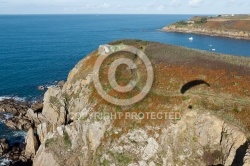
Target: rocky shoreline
[(17, 120), (15, 154), (21, 116)]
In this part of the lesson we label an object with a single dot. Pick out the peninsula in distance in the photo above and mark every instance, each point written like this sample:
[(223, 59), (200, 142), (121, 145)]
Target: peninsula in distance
[(233, 26)]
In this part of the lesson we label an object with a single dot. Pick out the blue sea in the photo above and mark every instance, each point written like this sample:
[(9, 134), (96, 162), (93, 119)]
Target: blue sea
[(42, 49)]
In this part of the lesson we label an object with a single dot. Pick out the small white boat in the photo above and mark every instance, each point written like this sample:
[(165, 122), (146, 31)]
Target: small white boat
[(191, 38), (213, 49)]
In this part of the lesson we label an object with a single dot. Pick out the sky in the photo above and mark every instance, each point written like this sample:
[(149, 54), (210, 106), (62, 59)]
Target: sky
[(124, 7)]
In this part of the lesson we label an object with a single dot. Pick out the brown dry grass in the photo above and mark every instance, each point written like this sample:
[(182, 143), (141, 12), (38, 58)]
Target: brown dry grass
[(239, 25), (229, 79)]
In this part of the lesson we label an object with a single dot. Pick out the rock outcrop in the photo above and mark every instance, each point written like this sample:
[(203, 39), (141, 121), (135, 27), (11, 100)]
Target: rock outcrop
[(17, 114), (207, 133), (4, 146), (247, 157), (20, 115), (198, 135), (14, 154), (31, 144), (54, 107)]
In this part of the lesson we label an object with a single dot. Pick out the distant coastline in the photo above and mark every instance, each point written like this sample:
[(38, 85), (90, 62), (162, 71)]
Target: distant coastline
[(231, 26)]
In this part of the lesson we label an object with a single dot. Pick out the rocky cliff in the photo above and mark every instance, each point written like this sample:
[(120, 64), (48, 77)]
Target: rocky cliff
[(205, 96)]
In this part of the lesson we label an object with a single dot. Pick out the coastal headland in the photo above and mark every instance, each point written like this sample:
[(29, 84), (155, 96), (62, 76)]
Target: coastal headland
[(232, 26), (208, 91)]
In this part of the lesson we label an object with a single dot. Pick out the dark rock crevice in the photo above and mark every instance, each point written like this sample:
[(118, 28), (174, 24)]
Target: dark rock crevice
[(240, 154)]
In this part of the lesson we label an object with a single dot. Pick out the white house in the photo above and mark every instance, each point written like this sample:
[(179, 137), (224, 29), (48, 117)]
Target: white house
[(108, 49), (104, 49)]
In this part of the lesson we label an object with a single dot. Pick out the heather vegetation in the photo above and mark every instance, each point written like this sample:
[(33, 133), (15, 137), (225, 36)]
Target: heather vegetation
[(204, 97), (227, 76)]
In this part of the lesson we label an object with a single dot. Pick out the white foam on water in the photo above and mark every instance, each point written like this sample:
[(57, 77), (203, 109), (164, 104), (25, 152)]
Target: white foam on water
[(16, 98), (5, 161), (17, 133), (7, 116), (50, 86), (20, 133)]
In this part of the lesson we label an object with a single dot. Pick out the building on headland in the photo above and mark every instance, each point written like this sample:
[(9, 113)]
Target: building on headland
[(106, 49)]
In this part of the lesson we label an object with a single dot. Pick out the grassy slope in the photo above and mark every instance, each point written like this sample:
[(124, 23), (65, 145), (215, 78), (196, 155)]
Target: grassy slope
[(228, 95)]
